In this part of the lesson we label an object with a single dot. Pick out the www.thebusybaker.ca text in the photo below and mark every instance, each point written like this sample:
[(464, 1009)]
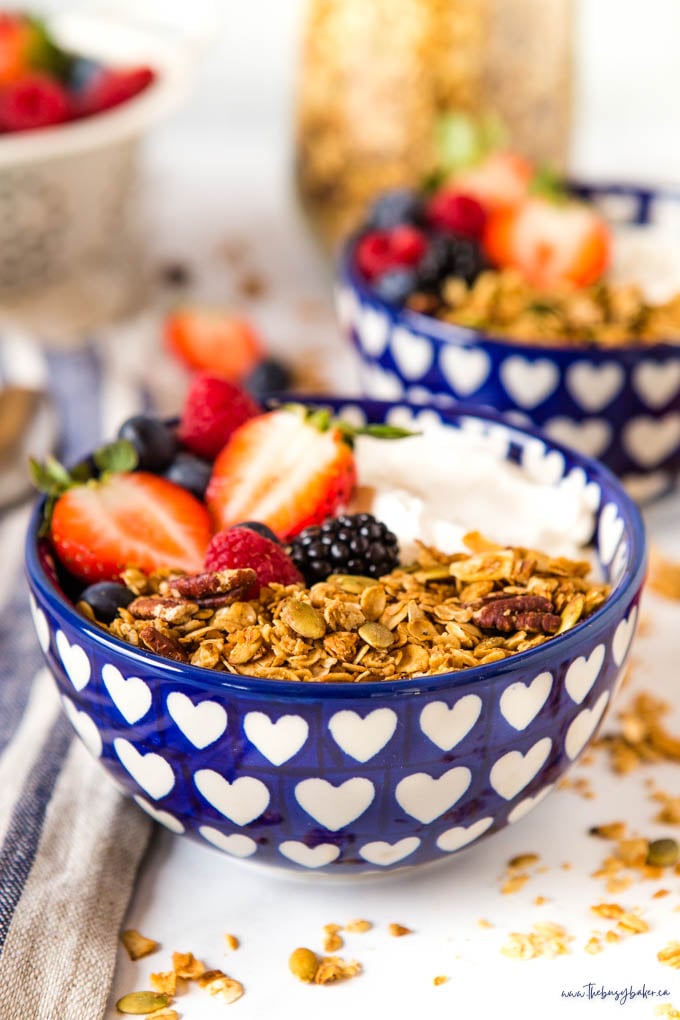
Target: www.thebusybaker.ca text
[(592, 991)]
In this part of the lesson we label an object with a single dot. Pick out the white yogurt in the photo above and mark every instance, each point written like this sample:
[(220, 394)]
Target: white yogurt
[(444, 482)]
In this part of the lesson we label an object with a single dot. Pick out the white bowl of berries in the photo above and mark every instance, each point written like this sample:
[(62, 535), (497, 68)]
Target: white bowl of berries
[(76, 99)]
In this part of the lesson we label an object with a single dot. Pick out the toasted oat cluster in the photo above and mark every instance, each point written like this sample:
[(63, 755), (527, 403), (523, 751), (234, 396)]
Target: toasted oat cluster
[(503, 303), (439, 614)]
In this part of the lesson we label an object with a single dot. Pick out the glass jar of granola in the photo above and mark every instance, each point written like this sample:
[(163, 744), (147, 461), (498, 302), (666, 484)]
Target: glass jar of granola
[(376, 76)]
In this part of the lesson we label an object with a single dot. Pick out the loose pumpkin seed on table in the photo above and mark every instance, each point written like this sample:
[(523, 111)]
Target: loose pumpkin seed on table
[(441, 613)]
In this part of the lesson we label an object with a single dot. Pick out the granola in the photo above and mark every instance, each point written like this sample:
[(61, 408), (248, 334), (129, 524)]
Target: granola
[(441, 613), (504, 304)]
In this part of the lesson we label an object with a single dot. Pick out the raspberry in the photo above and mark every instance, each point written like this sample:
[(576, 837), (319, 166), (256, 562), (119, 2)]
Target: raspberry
[(242, 547), (213, 409), (382, 250), (33, 101), (453, 211)]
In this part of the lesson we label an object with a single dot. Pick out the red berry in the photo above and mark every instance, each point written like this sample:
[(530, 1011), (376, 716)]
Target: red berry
[(241, 547), (33, 101), (213, 409), (381, 250), (459, 213), (112, 87), (213, 340), (407, 245)]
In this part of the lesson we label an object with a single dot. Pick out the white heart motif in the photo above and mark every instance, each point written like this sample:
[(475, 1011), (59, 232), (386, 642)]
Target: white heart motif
[(277, 741), (235, 844), (446, 726), (413, 354), (543, 465), (609, 531), (75, 661), (309, 856), (242, 801), (591, 436), (594, 386), (623, 635), (383, 854), (526, 805), (347, 307), (363, 738), (520, 703), (380, 384), (162, 817), (583, 726), (651, 440), (333, 807), (514, 770), (529, 383), (657, 382), (201, 724), (583, 673), (85, 727), (454, 839), (42, 627), (130, 695), (152, 772), (646, 486), (465, 368), (373, 329), (426, 798)]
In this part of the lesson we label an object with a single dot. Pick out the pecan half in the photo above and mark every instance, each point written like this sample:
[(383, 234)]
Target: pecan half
[(532, 613), (162, 644), (148, 607), (206, 587)]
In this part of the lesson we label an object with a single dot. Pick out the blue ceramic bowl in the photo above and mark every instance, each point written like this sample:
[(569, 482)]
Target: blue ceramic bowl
[(621, 405), (348, 778)]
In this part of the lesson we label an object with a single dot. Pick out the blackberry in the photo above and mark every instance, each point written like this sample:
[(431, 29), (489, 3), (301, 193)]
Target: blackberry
[(450, 256), (349, 544)]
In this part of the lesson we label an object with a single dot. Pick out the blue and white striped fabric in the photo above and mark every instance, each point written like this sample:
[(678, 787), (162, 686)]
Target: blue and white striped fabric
[(70, 843)]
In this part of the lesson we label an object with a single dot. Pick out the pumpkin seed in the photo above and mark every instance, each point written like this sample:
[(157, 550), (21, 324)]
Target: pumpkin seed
[(373, 601), (663, 853), (375, 635), (352, 583), (303, 619), (138, 1003)]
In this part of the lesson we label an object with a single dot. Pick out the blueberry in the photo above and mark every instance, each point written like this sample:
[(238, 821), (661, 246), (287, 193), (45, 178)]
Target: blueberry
[(396, 285), (191, 472), (260, 528), (450, 256), (154, 442), (270, 376), (400, 205), (82, 73), (105, 598)]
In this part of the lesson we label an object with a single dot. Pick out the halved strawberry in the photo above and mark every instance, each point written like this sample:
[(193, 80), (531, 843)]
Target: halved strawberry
[(550, 242), (33, 101), (99, 526), (111, 87), (499, 180), (214, 341), (285, 469)]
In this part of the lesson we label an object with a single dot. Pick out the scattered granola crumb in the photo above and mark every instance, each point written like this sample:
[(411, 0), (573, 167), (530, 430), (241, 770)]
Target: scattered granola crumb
[(612, 911), (483, 923), (611, 936), (546, 939), (164, 981), (231, 941), (360, 926), (515, 883), (642, 736), (670, 955), (632, 924), (138, 945), (670, 812), (610, 830), (664, 575), (221, 986), (185, 965), (633, 852), (398, 930), (252, 285), (333, 968), (523, 860), (163, 1014), (440, 979), (666, 1010), (661, 893), (540, 900), (593, 945), (332, 942), (566, 866)]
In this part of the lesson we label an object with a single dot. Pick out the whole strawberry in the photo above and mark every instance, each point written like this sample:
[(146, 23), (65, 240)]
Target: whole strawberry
[(242, 547), (214, 408)]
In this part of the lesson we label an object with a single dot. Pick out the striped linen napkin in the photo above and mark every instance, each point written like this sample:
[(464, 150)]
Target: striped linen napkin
[(70, 843)]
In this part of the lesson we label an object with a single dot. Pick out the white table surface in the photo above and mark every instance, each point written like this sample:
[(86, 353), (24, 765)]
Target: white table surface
[(215, 181)]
